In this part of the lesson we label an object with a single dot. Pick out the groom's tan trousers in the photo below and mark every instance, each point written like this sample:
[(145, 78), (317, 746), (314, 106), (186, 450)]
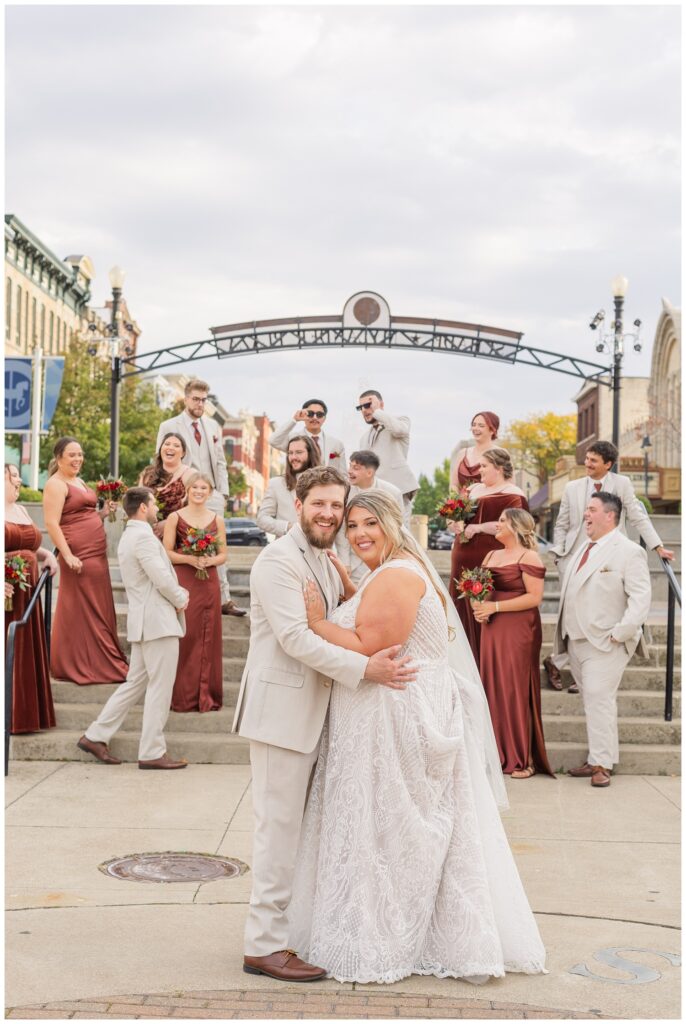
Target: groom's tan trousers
[(280, 781)]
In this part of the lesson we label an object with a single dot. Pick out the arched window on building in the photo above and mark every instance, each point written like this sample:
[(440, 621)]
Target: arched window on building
[(17, 332), (42, 325), (8, 309)]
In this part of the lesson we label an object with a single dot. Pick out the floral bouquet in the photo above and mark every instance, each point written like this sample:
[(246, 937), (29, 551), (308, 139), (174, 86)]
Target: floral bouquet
[(476, 584), (110, 490), (200, 542), (459, 508), (16, 573)]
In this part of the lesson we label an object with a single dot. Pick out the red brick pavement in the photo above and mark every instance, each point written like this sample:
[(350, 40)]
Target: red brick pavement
[(238, 1004)]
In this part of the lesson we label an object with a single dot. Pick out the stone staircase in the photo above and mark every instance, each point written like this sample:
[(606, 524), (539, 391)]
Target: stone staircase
[(649, 745)]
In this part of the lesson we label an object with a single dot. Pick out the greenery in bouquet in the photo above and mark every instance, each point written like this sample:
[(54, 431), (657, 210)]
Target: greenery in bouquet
[(200, 542), (459, 508), (16, 573), (476, 584)]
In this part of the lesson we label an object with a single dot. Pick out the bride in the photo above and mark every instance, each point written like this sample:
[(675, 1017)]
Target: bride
[(404, 867)]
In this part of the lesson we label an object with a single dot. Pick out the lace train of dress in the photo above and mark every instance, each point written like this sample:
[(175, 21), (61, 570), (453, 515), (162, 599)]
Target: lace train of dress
[(404, 867)]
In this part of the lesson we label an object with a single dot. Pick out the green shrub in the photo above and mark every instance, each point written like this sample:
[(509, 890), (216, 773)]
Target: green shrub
[(26, 494)]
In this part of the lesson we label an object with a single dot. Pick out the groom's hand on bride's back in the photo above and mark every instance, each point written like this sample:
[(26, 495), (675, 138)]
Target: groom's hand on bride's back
[(387, 669)]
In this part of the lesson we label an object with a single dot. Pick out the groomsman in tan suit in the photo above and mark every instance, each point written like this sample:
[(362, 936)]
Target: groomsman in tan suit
[(282, 704), (604, 603), (569, 534), (154, 624), (389, 438), (277, 509), (310, 420)]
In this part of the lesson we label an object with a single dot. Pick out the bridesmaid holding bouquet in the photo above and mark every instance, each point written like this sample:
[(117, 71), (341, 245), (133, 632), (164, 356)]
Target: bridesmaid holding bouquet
[(199, 676), (511, 645), (495, 493)]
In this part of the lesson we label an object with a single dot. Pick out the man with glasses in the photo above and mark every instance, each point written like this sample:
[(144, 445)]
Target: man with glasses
[(312, 415), (204, 452), (389, 438)]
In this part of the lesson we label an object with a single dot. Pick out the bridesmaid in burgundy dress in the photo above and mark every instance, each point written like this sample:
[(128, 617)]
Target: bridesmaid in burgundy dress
[(167, 477), (495, 493), (511, 646), (32, 708), (199, 675), (84, 647), (466, 470)]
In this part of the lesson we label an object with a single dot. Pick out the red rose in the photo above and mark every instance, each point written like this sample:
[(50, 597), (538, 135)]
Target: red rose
[(477, 587), (334, 455), (466, 584)]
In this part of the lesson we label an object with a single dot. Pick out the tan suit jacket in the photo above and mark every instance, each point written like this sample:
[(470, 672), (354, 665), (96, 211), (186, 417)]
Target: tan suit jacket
[(152, 587), (286, 683), (213, 434), (391, 444), (277, 510), (332, 450), (611, 595), (569, 533)]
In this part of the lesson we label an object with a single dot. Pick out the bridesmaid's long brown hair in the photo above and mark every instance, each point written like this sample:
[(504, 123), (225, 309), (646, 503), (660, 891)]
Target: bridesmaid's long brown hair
[(58, 451), (155, 475)]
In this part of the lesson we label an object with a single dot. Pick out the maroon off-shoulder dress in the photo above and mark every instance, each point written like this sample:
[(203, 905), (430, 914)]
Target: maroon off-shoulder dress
[(471, 554), (510, 672), (198, 683), (84, 647), (32, 707)]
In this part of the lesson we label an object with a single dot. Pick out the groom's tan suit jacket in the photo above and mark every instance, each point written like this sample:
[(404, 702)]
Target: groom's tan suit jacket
[(286, 683)]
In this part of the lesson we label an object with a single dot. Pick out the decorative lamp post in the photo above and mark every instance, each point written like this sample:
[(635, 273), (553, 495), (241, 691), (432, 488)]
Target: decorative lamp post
[(646, 446), (612, 341)]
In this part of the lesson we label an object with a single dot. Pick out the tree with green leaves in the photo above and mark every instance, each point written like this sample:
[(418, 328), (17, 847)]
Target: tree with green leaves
[(540, 440), (431, 494)]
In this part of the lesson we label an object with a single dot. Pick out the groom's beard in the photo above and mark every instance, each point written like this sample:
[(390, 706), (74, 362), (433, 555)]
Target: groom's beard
[(318, 536)]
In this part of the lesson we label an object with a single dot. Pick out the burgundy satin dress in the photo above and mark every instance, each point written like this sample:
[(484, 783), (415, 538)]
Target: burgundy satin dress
[(32, 707), (471, 554), (84, 647), (467, 474), (174, 497), (198, 684), (510, 672)]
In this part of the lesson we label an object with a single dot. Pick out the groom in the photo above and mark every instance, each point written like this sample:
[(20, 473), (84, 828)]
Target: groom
[(282, 705)]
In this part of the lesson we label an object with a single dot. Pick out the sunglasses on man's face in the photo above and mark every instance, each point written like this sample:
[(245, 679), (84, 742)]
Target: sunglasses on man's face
[(365, 405), (319, 415)]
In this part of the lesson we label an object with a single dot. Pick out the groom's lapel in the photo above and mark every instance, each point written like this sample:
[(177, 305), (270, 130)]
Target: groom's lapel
[(312, 564)]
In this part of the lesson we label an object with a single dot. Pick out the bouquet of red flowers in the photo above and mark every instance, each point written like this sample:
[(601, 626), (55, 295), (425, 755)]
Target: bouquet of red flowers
[(200, 542), (476, 584), (459, 508), (16, 573), (110, 490)]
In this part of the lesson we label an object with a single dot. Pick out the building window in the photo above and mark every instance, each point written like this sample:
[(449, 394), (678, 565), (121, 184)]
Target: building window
[(18, 326), (42, 326), (8, 309), (27, 336)]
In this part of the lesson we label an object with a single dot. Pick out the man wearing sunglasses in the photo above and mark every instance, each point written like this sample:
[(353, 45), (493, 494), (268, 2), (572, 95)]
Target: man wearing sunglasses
[(313, 416), (389, 438)]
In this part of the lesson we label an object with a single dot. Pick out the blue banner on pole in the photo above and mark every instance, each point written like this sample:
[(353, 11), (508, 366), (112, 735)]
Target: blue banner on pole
[(54, 371), (18, 385)]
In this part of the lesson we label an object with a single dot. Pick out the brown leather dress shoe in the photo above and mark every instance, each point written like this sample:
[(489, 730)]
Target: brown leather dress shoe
[(285, 965), (600, 777), (553, 673), (573, 688), (162, 763), (97, 749), (231, 608), (584, 771)]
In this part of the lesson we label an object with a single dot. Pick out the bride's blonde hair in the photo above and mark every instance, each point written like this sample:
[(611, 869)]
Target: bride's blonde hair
[(398, 541)]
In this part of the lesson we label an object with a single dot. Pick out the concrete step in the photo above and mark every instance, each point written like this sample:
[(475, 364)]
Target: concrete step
[(630, 704), (231, 626), (240, 594), (64, 692), (634, 758), (60, 745), (72, 716), (571, 728), (232, 646), (656, 655), (636, 677)]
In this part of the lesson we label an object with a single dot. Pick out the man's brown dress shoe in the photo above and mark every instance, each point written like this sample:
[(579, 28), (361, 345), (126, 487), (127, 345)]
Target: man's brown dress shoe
[(99, 750), (164, 762), (600, 777), (584, 771), (573, 688), (553, 674), (285, 965), (231, 608)]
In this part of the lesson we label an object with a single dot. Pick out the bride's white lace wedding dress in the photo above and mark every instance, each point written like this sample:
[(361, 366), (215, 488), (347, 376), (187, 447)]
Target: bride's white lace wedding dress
[(404, 867)]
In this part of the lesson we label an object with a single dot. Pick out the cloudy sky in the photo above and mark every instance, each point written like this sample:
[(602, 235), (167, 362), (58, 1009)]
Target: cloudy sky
[(492, 164)]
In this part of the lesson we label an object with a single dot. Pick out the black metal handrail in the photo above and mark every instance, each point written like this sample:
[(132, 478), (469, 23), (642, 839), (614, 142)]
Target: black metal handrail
[(673, 595), (44, 583)]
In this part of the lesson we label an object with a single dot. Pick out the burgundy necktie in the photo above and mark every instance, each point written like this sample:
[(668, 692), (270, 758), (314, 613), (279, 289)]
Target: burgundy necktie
[(598, 487), (584, 557), (198, 438), (316, 443)]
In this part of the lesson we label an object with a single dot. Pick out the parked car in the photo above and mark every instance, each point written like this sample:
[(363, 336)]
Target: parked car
[(441, 540), (245, 531)]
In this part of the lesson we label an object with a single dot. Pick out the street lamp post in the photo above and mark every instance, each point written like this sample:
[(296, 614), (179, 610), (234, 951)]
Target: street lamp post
[(646, 446), (612, 341), (116, 277)]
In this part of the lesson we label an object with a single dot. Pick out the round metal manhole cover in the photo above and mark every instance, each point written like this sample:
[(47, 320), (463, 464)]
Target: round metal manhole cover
[(366, 310), (173, 867)]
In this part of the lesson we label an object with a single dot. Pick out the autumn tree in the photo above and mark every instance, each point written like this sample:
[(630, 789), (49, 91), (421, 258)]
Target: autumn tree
[(540, 440)]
